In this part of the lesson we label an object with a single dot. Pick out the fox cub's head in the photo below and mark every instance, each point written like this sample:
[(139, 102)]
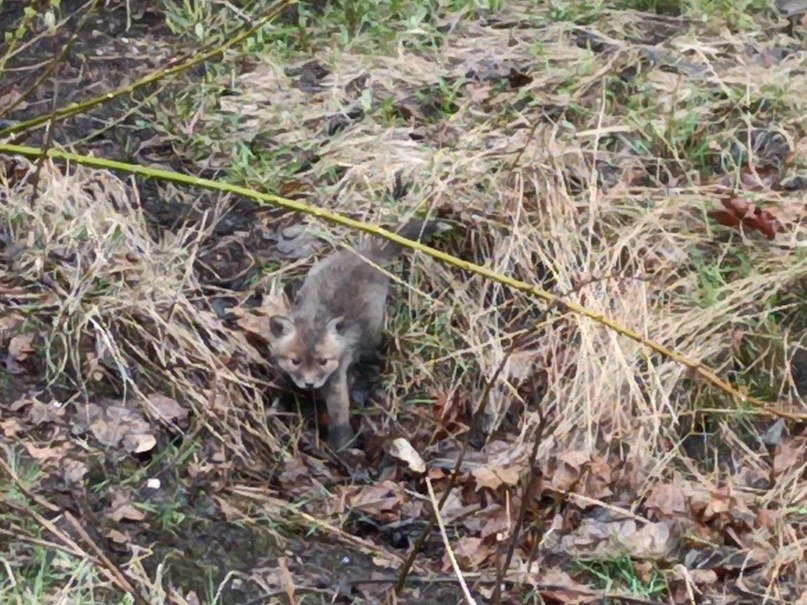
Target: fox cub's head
[(308, 356)]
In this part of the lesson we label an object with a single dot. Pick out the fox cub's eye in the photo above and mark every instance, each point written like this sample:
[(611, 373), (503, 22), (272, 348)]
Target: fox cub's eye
[(295, 361), (323, 362)]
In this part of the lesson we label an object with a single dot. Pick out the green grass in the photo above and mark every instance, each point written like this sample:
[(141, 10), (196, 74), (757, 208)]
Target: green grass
[(621, 575)]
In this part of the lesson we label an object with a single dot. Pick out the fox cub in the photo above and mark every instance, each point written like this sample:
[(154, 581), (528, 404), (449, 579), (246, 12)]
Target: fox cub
[(337, 318)]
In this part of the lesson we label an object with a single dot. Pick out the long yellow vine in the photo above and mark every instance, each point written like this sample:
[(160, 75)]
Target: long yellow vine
[(165, 175)]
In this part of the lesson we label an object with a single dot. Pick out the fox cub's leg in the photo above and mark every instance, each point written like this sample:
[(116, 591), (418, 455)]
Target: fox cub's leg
[(337, 400)]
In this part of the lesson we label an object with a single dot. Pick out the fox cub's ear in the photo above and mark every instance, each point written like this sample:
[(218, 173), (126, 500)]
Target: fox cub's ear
[(280, 325), (336, 325)]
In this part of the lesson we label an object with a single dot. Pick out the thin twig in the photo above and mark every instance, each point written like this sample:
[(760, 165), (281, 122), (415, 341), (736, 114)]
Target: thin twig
[(436, 511), (526, 495), (116, 577), (43, 543), (113, 569), (105, 566), (455, 473), (31, 496)]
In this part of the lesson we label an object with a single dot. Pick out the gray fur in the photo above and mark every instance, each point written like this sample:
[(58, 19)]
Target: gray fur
[(338, 315)]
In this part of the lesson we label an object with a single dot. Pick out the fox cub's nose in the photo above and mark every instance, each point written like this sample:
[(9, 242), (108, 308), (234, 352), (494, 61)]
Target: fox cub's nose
[(309, 383)]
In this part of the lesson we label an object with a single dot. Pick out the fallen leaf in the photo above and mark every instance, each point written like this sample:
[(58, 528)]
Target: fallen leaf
[(470, 553), (498, 524), (139, 443), (611, 540), (569, 466), (479, 93), (788, 454), (126, 512), (736, 206), (11, 427), (44, 454), (775, 433), (9, 323), (665, 501), (167, 407), (738, 212), (21, 403), (74, 471), (114, 425), (403, 450), (118, 537), (42, 413), (518, 79), (598, 479), (453, 506), (492, 478), (20, 347), (376, 498), (562, 588), (703, 577)]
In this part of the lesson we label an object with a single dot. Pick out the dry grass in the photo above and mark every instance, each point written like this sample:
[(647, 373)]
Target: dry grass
[(595, 186), (117, 308)]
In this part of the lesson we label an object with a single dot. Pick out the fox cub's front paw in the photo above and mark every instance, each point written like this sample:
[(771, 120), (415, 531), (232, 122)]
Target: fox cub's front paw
[(339, 436)]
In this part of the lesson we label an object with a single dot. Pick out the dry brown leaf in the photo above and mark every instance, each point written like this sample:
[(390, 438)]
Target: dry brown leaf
[(10, 96), (44, 454), (255, 321), (376, 498), (611, 540), (490, 477), (386, 562), (453, 506), (470, 553), (41, 413), (21, 403), (9, 323), (561, 587), (520, 364), (139, 443), (294, 469), (767, 518), (569, 467), (20, 347), (115, 425), (498, 524), (479, 93), (652, 541), (598, 480), (11, 427), (74, 471), (126, 512), (718, 504), (787, 455), (665, 501), (231, 513), (252, 323), (169, 408), (703, 577), (118, 537)]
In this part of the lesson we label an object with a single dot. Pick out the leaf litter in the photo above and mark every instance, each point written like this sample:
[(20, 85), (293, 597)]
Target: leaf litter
[(613, 484)]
